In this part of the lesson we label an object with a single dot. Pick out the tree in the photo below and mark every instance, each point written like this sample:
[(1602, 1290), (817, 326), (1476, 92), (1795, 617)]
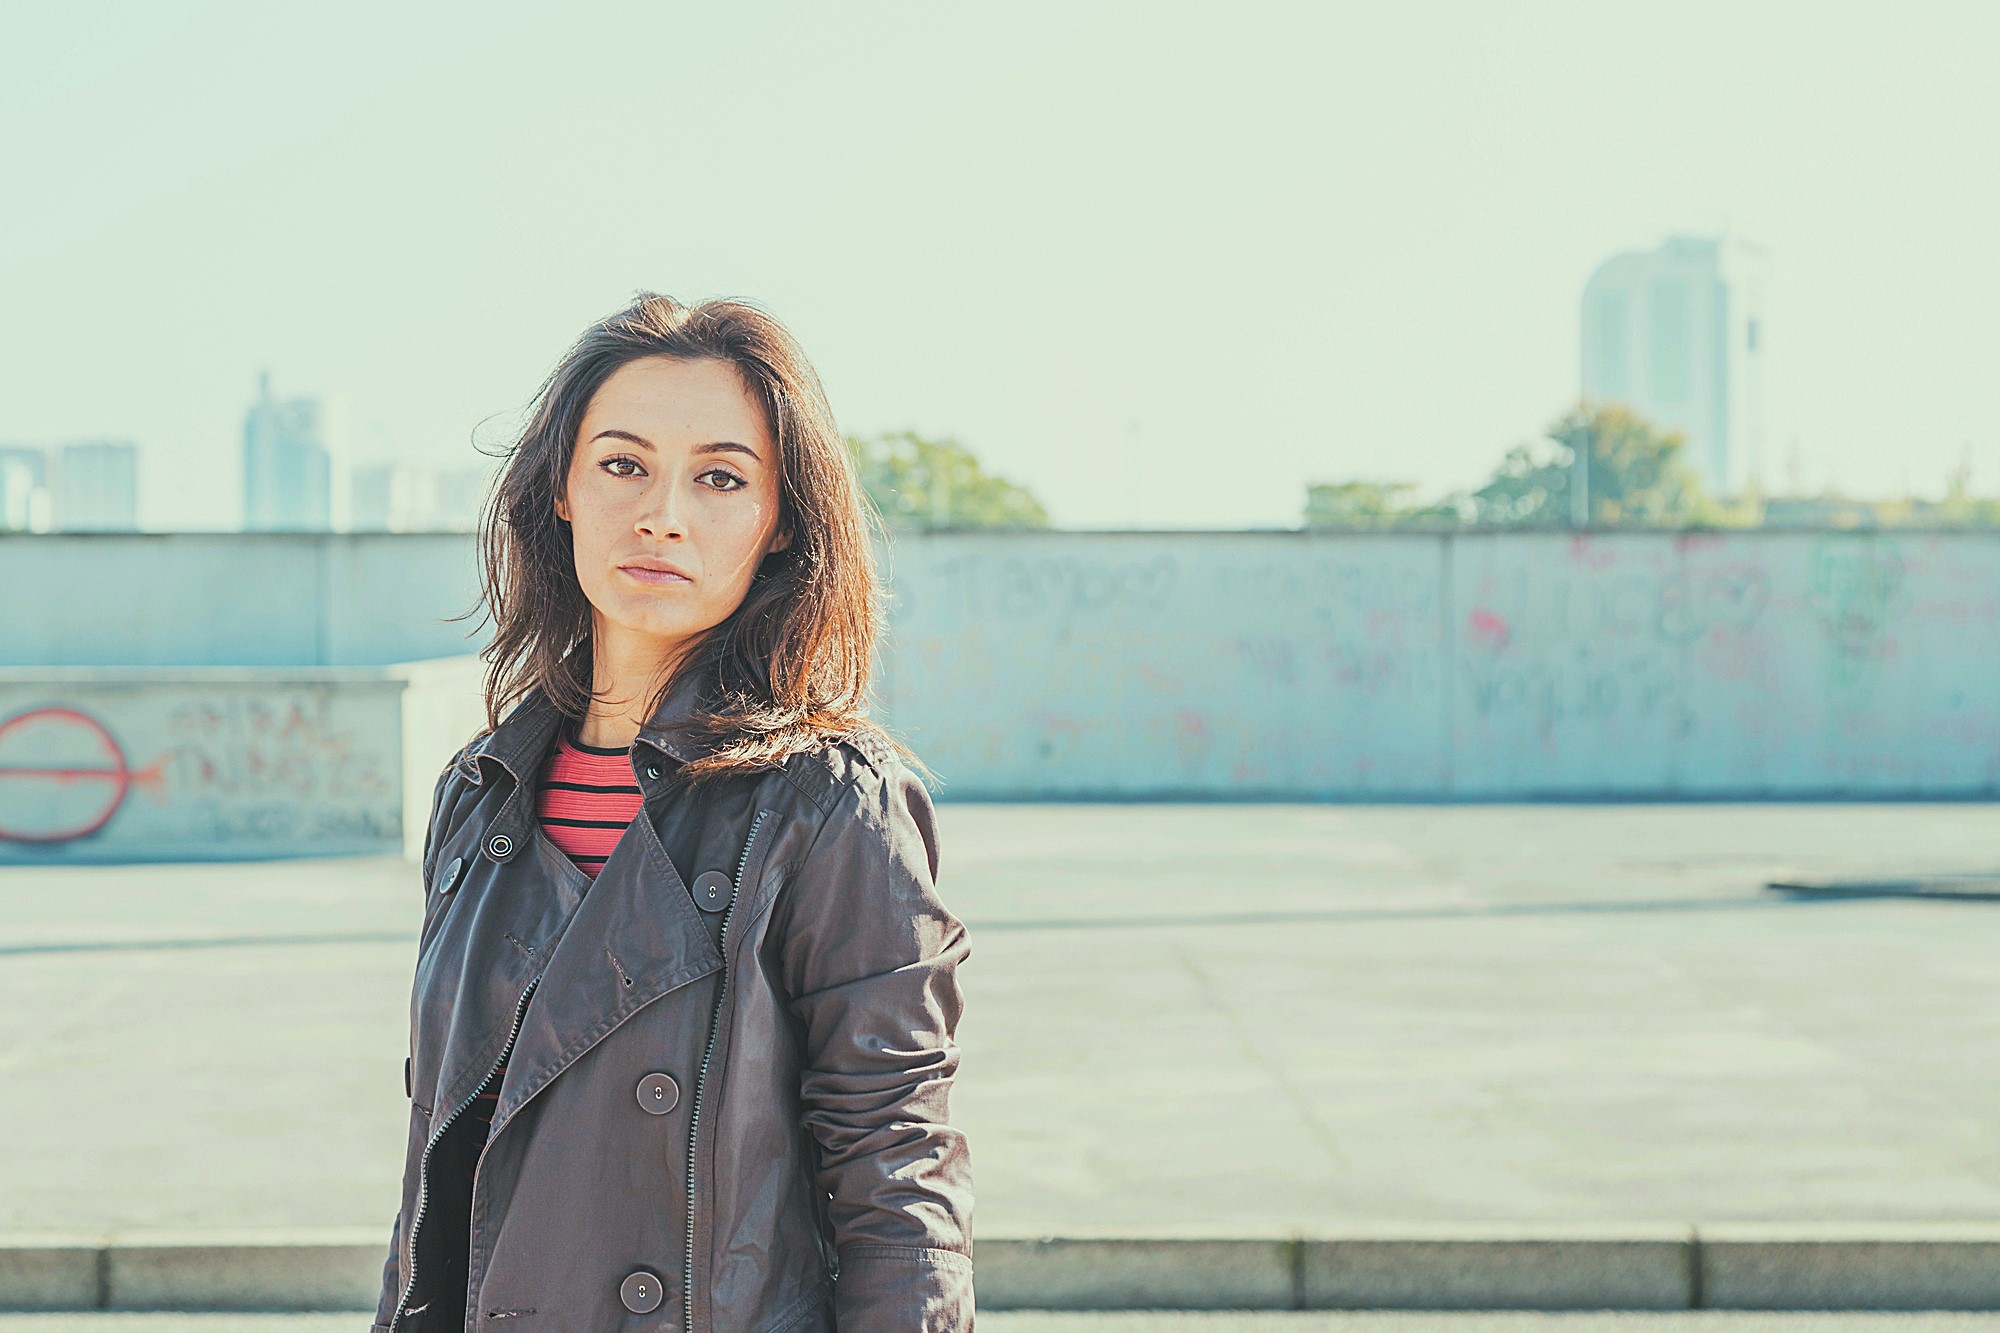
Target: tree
[(1362, 506), (1636, 476), (1960, 507), (1637, 479), (915, 482)]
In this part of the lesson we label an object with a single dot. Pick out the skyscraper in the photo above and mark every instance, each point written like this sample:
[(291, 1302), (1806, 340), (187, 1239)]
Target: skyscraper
[(97, 486), (1677, 335), (287, 469), (26, 504)]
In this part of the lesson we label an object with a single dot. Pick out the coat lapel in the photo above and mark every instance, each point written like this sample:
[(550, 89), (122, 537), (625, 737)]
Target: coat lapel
[(496, 937), (640, 913)]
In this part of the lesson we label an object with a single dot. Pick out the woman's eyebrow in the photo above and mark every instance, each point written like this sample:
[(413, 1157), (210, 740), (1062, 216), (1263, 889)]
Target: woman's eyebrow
[(712, 447), (639, 440)]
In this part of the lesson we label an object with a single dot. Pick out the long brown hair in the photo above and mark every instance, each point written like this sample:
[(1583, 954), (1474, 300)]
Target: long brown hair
[(792, 662)]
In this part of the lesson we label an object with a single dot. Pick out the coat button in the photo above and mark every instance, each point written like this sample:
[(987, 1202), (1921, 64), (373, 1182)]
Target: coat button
[(451, 874), (711, 890), (658, 1093), (499, 846), (652, 770), (641, 1292)]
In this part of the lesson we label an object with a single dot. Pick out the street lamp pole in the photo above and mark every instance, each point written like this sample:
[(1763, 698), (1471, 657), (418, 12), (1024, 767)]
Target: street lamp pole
[(1579, 479)]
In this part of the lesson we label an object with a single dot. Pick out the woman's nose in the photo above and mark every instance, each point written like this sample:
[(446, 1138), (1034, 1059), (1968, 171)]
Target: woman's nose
[(662, 516)]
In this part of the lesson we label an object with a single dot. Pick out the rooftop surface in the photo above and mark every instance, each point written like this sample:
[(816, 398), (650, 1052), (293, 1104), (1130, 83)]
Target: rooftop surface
[(1179, 1018)]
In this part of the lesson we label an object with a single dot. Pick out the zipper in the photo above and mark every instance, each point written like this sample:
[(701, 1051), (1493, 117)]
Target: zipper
[(424, 1163), (701, 1078)]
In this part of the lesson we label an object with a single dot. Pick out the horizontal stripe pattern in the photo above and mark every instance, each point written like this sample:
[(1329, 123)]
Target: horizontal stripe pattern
[(587, 799)]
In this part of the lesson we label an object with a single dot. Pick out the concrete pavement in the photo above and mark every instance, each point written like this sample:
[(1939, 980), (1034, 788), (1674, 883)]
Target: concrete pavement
[(1213, 1019)]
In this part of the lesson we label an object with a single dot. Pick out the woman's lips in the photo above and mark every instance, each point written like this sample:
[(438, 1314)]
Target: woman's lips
[(654, 576)]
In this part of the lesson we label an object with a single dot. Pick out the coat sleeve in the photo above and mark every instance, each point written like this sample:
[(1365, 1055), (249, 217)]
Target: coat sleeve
[(392, 1277), (870, 953)]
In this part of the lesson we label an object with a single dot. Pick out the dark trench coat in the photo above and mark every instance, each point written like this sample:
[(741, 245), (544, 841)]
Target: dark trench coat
[(728, 1059)]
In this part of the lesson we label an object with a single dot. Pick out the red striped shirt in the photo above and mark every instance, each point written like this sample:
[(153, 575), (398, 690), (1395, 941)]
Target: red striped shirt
[(588, 797), (586, 802)]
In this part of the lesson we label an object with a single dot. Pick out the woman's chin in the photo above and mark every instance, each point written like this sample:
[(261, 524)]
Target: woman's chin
[(664, 630)]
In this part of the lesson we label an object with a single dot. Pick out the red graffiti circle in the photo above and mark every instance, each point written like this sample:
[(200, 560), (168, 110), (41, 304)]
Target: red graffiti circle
[(62, 777)]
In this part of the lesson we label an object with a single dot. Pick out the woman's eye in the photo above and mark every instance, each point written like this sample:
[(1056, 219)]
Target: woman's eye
[(727, 474), (610, 464)]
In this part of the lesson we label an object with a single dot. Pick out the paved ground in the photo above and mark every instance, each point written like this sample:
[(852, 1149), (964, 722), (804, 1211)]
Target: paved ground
[(1344, 1322), (1193, 1018)]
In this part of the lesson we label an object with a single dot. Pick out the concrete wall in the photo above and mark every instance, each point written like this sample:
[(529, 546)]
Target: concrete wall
[(124, 764), (1063, 665), (235, 599), (1494, 666)]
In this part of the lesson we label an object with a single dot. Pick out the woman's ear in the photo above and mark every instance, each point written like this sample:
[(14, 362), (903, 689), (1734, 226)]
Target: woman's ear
[(562, 508)]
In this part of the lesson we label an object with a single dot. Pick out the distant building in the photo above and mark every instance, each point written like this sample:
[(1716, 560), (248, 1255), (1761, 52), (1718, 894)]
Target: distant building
[(1677, 334), (403, 497), (395, 497), (461, 492), (26, 502), (377, 498), (97, 486), (287, 467)]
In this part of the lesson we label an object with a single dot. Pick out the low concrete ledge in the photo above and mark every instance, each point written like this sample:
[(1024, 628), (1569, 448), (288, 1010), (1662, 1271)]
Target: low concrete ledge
[(288, 1271), (1158, 1270), (48, 1271), (1496, 1266), (1501, 1267), (1851, 1266), (320, 1270)]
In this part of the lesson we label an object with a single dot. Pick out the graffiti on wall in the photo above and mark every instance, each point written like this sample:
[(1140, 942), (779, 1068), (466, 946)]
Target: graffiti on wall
[(1599, 638), (234, 766), (1489, 665), (1856, 590), (1716, 663), (62, 776), (1214, 663)]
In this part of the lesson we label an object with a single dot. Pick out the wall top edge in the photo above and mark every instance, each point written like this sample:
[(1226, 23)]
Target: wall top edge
[(233, 534), (392, 672), (1045, 534)]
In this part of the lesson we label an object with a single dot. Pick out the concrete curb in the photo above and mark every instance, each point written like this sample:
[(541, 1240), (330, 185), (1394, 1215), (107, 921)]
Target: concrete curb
[(1489, 1266), (205, 1270)]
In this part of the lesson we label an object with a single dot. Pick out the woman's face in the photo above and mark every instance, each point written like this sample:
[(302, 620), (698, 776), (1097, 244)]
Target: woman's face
[(672, 500)]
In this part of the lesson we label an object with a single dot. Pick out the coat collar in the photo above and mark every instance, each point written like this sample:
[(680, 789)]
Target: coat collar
[(521, 741)]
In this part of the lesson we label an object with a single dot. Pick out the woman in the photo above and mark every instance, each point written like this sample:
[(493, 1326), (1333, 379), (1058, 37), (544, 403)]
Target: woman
[(682, 1025)]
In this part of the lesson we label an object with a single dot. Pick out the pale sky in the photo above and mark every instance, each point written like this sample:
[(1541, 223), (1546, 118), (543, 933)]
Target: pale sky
[(1163, 264)]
